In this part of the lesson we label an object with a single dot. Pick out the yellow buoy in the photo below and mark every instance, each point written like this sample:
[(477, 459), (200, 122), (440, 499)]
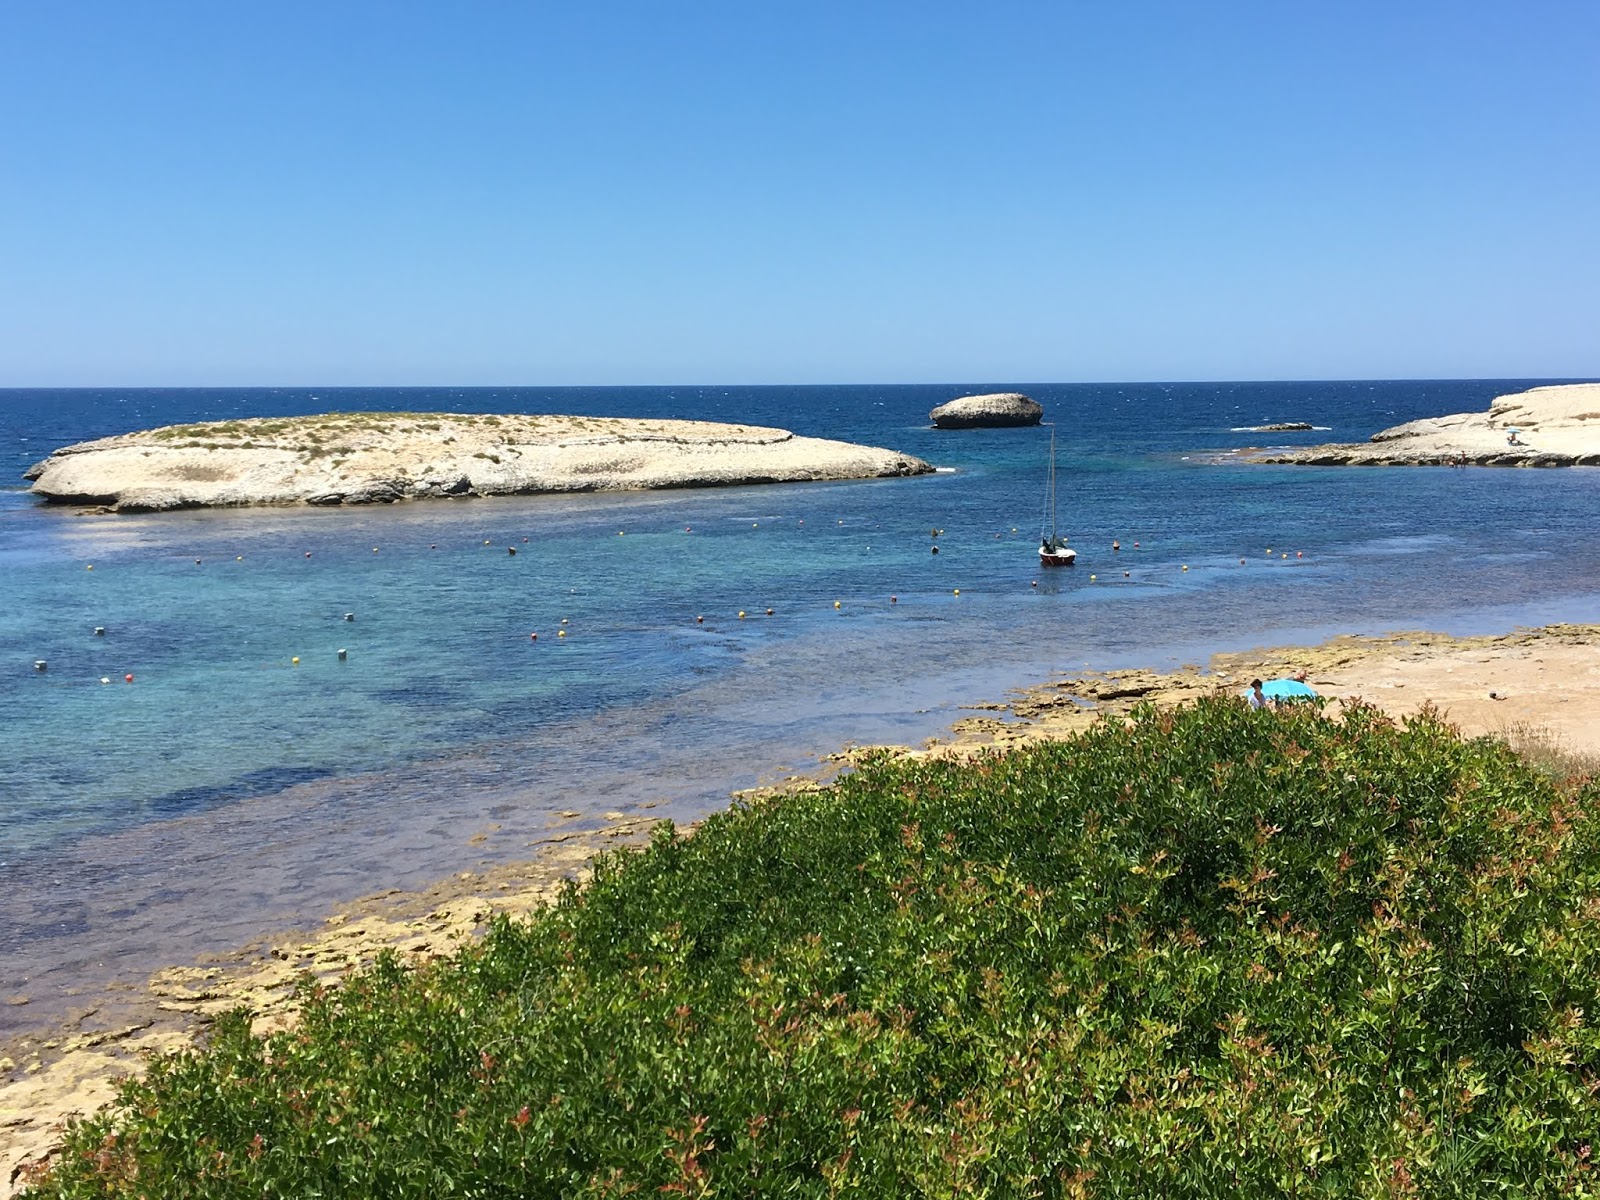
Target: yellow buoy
[(1185, 566), (955, 591), (89, 567), (561, 633), (741, 614), (1093, 577), (836, 604), (295, 661)]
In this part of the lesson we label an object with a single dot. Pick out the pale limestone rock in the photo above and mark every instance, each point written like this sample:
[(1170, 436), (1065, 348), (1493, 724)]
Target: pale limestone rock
[(995, 409), (368, 458), (1557, 426)]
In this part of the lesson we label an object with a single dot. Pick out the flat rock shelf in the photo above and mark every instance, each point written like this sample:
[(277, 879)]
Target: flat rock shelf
[(1556, 426), (365, 458)]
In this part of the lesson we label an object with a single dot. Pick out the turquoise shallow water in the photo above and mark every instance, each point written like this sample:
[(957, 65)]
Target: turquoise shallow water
[(226, 789)]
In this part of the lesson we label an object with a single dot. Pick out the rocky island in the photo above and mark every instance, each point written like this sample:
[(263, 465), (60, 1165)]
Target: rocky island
[(992, 410), (365, 458), (1556, 426)]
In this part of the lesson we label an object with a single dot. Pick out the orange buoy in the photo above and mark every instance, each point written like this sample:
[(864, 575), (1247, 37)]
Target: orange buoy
[(1299, 554), (127, 678)]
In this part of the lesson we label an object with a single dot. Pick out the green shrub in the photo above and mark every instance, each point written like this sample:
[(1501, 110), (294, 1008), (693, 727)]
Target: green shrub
[(1208, 953)]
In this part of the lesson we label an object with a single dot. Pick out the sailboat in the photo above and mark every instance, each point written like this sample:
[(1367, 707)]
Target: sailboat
[(1053, 550)]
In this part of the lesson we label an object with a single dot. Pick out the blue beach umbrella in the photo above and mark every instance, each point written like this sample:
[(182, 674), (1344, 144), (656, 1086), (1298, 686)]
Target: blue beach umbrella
[(1285, 689)]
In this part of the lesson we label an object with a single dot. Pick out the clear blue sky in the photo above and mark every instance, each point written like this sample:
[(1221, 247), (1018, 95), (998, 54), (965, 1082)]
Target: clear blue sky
[(393, 193)]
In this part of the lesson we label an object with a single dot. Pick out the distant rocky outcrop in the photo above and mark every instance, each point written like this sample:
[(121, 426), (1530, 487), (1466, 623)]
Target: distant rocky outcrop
[(996, 409), (1556, 426), (1277, 427), (375, 458)]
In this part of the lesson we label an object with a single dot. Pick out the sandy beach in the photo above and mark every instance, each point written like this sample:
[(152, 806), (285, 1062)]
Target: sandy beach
[(1537, 688)]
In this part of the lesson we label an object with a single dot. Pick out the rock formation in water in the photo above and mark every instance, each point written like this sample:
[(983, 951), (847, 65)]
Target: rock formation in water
[(1556, 426), (996, 409), (364, 458)]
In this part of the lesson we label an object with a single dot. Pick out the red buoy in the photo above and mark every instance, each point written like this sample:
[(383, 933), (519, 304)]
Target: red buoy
[(128, 678)]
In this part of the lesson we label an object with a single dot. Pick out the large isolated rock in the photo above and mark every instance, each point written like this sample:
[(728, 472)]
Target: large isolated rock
[(379, 458), (994, 409)]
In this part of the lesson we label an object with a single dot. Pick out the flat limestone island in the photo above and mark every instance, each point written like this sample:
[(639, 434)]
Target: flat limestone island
[(995, 409), (1555, 426), (366, 458)]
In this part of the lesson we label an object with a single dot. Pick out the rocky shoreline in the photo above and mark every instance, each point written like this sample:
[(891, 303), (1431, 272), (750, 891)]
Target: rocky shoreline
[(1556, 426), (372, 458), (1492, 685)]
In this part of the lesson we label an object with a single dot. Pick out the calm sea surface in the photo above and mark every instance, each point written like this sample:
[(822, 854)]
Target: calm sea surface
[(227, 790)]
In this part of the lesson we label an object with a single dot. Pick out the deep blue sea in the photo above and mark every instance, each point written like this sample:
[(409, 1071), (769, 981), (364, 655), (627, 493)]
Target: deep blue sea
[(228, 789)]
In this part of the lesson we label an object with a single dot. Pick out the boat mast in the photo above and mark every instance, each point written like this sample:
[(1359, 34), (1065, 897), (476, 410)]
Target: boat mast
[(1049, 521)]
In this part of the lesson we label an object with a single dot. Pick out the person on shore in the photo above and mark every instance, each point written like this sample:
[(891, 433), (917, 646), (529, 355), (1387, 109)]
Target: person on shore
[(1300, 675), (1258, 698)]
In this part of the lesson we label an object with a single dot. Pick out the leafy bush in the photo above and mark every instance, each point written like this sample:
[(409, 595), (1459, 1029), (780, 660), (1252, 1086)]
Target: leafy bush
[(1208, 953)]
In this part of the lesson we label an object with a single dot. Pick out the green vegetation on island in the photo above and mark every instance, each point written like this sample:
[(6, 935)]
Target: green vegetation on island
[(1208, 952)]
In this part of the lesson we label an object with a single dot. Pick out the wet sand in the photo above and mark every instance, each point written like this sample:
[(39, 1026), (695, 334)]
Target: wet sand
[(1539, 688)]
